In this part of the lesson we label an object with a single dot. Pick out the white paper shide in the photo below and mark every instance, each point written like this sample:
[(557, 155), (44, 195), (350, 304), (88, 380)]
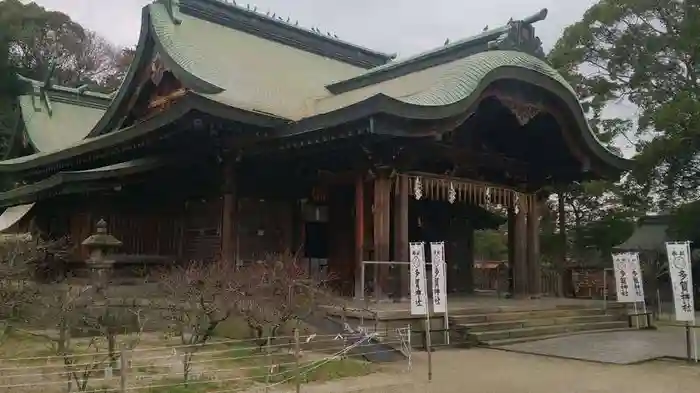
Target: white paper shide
[(419, 296), (437, 258), (679, 269)]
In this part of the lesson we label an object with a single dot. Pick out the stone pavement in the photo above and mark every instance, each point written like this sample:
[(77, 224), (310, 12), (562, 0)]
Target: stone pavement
[(493, 371), (620, 347)]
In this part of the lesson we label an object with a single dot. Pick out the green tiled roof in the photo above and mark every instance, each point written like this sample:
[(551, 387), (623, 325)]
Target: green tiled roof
[(253, 73), (444, 84), (67, 124), (56, 117)]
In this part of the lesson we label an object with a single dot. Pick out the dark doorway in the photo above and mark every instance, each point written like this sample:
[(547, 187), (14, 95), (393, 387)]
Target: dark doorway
[(316, 247)]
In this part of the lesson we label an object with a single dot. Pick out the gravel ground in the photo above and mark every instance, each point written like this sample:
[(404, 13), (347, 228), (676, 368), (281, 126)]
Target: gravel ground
[(493, 371)]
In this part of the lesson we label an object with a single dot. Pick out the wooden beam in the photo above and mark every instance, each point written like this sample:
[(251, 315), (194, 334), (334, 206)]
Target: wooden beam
[(533, 248), (359, 233), (520, 252), (401, 231), (229, 209), (381, 230)]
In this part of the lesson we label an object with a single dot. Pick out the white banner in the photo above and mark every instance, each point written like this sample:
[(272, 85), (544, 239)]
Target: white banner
[(623, 278), (635, 271), (437, 258), (679, 269), (419, 295)]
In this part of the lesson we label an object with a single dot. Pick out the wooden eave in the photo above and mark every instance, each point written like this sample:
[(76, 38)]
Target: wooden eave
[(76, 181), (612, 164), (139, 135)]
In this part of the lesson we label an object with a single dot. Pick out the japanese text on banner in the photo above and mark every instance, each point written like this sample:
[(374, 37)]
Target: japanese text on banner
[(623, 277), (679, 269), (635, 271), (437, 258), (419, 295)]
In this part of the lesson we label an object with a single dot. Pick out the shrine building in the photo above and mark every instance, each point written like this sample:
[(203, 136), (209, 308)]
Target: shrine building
[(236, 134)]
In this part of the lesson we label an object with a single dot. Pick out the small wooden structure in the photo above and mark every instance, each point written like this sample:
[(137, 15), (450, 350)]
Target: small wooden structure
[(236, 134)]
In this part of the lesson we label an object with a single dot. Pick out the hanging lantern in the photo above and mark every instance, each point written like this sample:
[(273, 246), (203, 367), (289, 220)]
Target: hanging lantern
[(418, 189), (451, 193)]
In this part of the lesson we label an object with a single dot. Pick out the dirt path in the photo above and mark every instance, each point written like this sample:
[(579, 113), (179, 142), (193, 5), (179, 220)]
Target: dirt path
[(492, 371)]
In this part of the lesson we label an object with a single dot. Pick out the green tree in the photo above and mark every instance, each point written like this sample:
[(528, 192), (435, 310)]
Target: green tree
[(37, 43), (40, 40), (490, 245), (646, 52)]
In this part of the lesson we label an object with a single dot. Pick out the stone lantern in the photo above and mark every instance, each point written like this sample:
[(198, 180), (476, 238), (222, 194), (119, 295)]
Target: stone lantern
[(100, 246)]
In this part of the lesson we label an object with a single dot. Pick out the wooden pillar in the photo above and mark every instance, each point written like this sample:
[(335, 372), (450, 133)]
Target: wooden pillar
[(520, 251), (533, 248), (359, 234), (511, 251), (382, 231), (401, 233), (229, 238)]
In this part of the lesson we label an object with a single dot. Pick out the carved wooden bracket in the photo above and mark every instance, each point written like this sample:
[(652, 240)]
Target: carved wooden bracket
[(523, 111)]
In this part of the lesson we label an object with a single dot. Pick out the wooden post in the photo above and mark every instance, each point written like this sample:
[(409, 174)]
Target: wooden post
[(511, 252), (401, 233), (429, 348), (520, 252), (359, 235), (297, 355), (228, 232), (123, 371), (382, 230), (533, 249), (268, 356)]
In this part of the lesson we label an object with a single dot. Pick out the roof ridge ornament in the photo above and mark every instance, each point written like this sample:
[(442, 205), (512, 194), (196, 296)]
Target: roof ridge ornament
[(520, 36), (173, 7), (273, 16)]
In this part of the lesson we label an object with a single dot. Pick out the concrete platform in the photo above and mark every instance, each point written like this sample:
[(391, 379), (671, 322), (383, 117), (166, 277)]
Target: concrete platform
[(618, 347)]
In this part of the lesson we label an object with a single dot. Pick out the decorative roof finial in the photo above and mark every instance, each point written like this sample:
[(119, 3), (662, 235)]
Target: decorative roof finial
[(540, 16)]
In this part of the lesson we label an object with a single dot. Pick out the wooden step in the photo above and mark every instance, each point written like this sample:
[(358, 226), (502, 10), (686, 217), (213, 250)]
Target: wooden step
[(519, 340), (524, 315), (525, 323), (539, 331)]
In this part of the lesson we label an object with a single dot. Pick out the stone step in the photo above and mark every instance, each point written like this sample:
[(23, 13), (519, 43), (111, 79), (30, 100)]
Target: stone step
[(539, 331), (524, 315), (519, 340), (525, 323)]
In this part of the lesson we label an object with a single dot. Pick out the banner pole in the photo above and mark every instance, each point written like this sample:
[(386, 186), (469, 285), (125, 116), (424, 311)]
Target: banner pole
[(688, 345)]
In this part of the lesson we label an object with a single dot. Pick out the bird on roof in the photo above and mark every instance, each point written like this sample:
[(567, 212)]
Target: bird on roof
[(234, 2), (486, 28), (255, 9), (287, 19), (447, 41), (335, 36), (267, 13), (296, 23)]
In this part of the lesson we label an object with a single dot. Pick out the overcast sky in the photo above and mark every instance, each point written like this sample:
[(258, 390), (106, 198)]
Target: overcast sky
[(404, 27)]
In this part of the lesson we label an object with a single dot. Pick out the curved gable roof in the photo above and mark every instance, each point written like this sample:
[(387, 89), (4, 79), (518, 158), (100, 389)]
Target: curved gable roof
[(56, 117)]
